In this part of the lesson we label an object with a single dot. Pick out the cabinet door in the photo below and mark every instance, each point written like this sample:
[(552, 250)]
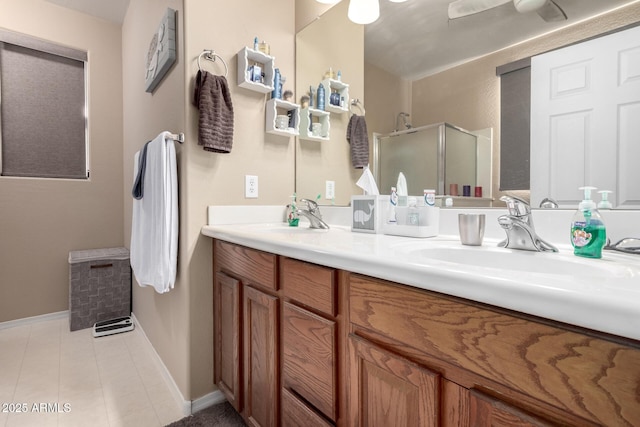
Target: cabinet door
[(260, 358), (389, 390), (227, 333), (309, 359), (487, 411)]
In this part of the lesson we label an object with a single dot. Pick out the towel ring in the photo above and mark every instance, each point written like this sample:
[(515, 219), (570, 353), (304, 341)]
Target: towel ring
[(211, 56), (356, 103)]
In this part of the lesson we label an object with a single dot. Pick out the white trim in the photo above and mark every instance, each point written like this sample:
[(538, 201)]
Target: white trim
[(207, 400), (34, 319), (173, 387)]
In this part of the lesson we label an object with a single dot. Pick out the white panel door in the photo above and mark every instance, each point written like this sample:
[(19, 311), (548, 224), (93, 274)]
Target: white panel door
[(585, 121)]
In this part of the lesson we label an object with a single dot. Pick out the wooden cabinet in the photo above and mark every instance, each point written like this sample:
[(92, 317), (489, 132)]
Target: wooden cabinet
[(310, 365), (299, 344), (246, 356), (499, 367)]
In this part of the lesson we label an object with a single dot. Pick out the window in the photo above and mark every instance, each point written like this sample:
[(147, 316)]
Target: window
[(515, 123), (42, 109)]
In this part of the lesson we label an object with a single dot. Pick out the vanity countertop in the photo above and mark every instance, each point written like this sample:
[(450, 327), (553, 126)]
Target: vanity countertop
[(599, 294)]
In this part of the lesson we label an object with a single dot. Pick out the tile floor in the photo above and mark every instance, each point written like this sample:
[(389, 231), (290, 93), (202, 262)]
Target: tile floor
[(108, 381)]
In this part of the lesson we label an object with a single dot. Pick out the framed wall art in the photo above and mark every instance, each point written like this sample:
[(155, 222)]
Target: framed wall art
[(162, 51)]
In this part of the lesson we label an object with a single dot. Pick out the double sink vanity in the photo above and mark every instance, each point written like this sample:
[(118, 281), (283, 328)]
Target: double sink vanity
[(331, 327)]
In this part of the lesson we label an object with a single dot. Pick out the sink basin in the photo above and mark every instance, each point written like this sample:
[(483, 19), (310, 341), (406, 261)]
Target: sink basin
[(486, 257)]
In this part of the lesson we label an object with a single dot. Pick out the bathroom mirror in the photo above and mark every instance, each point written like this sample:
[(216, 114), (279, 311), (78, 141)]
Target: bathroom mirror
[(466, 96)]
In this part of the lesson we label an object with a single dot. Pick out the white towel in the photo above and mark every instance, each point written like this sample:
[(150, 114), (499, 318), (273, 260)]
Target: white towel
[(154, 227)]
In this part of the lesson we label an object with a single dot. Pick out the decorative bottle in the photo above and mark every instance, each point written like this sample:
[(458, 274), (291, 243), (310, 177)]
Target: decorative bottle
[(277, 86), (320, 97)]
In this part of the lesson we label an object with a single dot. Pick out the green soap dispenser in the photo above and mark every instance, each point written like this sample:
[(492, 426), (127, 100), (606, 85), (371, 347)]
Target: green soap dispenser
[(588, 234)]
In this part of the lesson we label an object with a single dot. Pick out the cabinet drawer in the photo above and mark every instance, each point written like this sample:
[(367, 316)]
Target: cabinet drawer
[(256, 267), (309, 284), (309, 358), (296, 414)]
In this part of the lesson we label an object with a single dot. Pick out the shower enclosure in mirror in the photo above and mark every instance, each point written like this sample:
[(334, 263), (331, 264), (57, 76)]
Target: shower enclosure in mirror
[(435, 157)]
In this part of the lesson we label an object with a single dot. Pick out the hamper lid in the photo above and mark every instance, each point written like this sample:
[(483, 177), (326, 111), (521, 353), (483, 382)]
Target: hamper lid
[(98, 254)]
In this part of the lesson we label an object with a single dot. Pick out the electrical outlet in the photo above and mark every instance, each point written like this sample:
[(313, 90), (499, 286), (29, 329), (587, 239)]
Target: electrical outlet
[(250, 187), (330, 190)]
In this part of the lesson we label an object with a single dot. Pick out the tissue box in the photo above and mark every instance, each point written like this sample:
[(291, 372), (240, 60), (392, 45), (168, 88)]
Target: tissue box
[(368, 213)]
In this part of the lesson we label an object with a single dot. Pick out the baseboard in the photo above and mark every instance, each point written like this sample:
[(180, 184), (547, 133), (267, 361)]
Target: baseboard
[(175, 390), (207, 400), (34, 319)]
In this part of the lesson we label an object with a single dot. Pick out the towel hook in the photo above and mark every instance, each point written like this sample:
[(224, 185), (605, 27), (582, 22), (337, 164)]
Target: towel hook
[(356, 103), (211, 56)]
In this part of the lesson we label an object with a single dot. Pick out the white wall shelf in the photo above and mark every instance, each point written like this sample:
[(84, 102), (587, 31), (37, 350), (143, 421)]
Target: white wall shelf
[(276, 107), (312, 115), (333, 85), (248, 57)]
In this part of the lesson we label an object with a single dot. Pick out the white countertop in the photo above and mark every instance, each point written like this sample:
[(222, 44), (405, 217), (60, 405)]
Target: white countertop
[(601, 294)]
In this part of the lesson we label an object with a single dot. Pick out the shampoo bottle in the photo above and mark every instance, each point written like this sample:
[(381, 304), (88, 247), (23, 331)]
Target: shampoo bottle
[(588, 234)]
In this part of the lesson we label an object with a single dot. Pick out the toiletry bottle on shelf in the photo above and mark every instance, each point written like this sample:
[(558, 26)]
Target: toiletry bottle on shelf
[(413, 213), (255, 44), (339, 75), (604, 202), (277, 87), (588, 234), (292, 215), (393, 202), (311, 96), (320, 97)]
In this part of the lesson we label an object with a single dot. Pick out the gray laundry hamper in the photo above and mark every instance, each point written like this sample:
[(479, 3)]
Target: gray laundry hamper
[(100, 290)]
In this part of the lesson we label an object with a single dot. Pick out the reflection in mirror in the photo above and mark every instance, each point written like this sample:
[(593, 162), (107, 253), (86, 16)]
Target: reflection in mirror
[(467, 94), (440, 157)]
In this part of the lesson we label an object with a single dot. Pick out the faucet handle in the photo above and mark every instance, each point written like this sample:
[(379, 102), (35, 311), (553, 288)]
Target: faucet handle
[(311, 205), (517, 207)]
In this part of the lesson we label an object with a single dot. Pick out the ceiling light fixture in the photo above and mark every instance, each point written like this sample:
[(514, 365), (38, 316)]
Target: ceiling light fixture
[(329, 1), (363, 11)]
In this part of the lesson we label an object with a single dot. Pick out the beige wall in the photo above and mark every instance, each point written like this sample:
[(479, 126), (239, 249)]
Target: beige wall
[(387, 95), (469, 95), (43, 219), (180, 323)]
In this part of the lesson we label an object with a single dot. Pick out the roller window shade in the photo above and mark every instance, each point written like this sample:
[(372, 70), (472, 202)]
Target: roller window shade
[(515, 125), (43, 119)]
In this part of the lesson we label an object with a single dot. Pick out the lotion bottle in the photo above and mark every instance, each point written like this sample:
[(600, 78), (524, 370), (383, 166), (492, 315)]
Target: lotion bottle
[(588, 233)]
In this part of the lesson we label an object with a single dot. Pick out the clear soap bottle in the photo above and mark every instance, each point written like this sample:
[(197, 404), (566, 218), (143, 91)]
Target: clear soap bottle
[(588, 233)]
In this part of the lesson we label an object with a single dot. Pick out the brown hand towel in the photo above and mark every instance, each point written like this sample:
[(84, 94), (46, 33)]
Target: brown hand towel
[(215, 125), (358, 137)]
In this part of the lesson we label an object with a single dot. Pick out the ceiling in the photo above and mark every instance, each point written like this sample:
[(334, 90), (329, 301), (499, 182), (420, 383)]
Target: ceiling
[(110, 10), (415, 38)]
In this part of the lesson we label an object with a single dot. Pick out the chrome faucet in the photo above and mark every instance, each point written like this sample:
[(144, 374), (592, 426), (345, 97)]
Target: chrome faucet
[(518, 225), (312, 213)]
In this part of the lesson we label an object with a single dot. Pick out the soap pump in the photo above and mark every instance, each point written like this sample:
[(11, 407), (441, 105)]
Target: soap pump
[(588, 233), (604, 202)]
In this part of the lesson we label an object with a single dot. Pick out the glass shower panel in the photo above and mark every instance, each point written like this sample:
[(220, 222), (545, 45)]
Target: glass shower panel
[(415, 154), (460, 159)]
